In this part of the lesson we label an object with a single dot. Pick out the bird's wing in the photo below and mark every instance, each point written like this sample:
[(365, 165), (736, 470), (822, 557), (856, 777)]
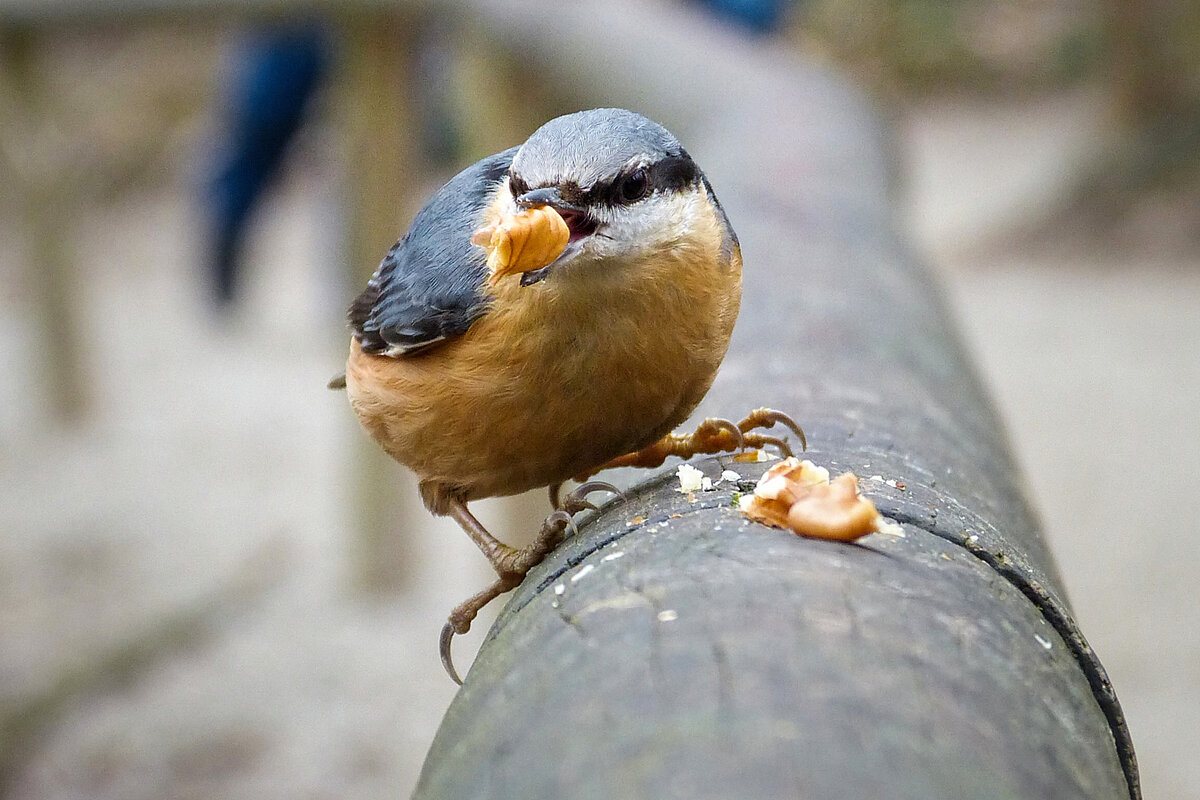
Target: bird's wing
[(428, 287)]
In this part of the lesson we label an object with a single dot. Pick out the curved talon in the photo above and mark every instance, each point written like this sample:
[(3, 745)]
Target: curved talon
[(561, 515), (579, 495), (762, 440), (724, 424), (444, 650), (768, 417)]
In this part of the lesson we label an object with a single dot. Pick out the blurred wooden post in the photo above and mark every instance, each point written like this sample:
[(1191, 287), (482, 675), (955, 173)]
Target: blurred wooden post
[(501, 98), (384, 182), (1153, 63), (37, 173)]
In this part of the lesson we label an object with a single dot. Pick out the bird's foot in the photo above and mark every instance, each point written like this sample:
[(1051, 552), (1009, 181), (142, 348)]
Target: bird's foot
[(714, 435), (512, 565), (768, 418)]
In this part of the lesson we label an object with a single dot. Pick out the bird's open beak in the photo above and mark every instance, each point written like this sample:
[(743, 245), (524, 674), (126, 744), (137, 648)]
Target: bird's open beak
[(546, 196), (578, 220)]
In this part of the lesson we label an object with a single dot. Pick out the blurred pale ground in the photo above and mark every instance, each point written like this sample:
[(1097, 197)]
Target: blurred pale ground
[(211, 485), (1093, 358)]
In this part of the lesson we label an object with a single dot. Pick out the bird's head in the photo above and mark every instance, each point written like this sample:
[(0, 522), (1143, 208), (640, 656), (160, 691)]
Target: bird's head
[(623, 184)]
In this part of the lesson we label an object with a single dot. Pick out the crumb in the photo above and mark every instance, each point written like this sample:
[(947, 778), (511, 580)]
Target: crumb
[(889, 527), (752, 456), (690, 478)]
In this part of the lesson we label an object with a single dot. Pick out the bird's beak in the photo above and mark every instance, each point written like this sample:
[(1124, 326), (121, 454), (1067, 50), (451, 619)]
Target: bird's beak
[(576, 216), (547, 196), (579, 223)]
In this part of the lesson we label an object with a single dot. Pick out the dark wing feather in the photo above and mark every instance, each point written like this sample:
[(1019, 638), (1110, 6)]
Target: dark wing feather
[(427, 288)]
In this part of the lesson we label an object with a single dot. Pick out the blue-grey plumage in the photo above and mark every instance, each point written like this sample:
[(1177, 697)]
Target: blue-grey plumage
[(427, 288)]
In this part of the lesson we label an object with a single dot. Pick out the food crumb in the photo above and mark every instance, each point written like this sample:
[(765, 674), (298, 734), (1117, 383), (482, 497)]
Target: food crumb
[(889, 527), (751, 456), (690, 478), (582, 572), (668, 615)]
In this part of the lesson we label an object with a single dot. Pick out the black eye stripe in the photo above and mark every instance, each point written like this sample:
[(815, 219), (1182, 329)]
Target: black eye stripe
[(517, 185), (668, 174), (673, 172)]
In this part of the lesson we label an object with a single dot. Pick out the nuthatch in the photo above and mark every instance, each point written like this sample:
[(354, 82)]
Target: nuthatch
[(487, 387)]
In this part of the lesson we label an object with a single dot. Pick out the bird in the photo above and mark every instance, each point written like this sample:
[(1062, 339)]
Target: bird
[(485, 384)]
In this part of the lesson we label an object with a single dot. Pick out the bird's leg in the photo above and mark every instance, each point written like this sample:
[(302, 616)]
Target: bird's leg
[(712, 436), (511, 564), (492, 548)]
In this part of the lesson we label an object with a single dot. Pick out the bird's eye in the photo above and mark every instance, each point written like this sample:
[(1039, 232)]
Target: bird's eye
[(635, 186)]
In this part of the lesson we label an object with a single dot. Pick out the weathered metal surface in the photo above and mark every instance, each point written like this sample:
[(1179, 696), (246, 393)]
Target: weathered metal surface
[(716, 658)]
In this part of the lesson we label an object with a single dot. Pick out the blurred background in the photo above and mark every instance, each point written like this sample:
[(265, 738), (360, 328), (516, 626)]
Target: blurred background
[(212, 585)]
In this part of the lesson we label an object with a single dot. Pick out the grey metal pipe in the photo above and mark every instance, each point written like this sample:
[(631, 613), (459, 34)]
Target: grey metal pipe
[(672, 648)]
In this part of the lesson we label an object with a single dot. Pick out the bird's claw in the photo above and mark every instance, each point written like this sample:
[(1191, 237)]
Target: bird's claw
[(444, 651), (727, 425), (560, 518), (577, 500), (768, 418), (514, 565)]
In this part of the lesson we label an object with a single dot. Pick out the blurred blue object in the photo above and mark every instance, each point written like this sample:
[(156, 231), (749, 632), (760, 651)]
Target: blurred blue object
[(759, 16), (276, 71)]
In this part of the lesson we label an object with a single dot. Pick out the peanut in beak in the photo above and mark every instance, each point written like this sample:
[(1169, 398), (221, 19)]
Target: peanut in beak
[(522, 242)]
